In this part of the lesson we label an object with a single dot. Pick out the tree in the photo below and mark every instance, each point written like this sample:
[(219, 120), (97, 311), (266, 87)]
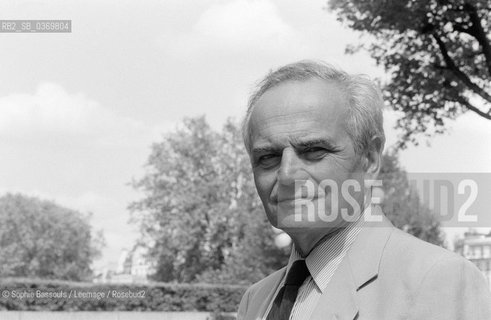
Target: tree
[(402, 204), (201, 218), (43, 240), (437, 54)]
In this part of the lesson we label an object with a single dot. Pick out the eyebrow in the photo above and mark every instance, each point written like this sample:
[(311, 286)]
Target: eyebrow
[(299, 143), (263, 149)]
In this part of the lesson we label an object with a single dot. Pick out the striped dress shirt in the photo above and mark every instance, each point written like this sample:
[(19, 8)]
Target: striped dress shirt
[(322, 262)]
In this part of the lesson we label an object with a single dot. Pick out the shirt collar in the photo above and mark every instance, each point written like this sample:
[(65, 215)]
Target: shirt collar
[(324, 259)]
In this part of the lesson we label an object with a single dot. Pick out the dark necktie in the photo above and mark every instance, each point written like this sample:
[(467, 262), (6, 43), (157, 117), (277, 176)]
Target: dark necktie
[(284, 301)]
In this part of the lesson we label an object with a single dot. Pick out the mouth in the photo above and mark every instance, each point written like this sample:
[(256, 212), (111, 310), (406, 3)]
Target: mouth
[(276, 201), (281, 195)]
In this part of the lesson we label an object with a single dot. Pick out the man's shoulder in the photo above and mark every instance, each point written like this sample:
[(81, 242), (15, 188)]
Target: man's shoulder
[(414, 258), (437, 283), (415, 248)]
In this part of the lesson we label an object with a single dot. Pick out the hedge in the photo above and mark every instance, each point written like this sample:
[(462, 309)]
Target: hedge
[(49, 295)]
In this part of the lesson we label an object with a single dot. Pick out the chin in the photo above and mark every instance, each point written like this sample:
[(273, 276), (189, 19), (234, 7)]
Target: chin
[(292, 223)]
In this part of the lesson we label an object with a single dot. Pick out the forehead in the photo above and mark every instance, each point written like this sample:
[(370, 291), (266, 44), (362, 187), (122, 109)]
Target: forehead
[(300, 110)]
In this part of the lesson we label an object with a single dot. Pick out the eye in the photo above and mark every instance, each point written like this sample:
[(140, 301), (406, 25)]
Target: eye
[(268, 160), (314, 153)]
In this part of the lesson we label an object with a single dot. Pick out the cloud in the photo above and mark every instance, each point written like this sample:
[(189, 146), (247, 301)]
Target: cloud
[(243, 23), (52, 112), (236, 27), (50, 108)]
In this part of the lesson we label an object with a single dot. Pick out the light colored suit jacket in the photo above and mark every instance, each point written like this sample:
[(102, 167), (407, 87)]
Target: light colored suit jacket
[(389, 274)]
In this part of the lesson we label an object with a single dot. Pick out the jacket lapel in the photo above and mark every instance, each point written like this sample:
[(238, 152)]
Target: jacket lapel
[(339, 298), (365, 254), (356, 271), (265, 295)]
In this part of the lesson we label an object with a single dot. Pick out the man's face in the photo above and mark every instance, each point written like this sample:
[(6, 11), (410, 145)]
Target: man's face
[(299, 138)]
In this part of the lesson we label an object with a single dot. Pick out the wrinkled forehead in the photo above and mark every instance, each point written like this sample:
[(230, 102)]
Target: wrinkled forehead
[(298, 105)]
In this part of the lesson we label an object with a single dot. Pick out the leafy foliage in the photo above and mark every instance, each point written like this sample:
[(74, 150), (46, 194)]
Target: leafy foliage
[(41, 239), (201, 218), (402, 204), (437, 54)]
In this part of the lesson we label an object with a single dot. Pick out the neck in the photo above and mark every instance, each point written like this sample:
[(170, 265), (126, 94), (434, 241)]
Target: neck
[(306, 240)]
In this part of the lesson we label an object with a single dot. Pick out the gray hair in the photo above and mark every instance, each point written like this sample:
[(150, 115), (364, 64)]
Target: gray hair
[(365, 120)]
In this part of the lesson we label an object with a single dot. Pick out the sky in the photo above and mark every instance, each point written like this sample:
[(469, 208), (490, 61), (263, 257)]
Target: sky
[(79, 111)]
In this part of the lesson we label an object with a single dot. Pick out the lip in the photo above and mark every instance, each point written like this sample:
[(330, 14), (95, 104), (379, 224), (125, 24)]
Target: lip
[(288, 194), (276, 201)]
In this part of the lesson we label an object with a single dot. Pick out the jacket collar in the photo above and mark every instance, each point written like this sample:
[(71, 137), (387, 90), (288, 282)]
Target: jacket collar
[(265, 294), (366, 253), (357, 270)]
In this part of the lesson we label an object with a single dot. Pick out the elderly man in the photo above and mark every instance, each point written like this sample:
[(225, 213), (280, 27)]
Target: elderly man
[(315, 137)]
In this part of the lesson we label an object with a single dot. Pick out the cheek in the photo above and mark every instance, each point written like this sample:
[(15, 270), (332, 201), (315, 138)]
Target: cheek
[(264, 184), (333, 168), (327, 170)]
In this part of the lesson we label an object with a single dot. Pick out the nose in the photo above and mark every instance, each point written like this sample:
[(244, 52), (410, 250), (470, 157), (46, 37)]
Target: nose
[(290, 168)]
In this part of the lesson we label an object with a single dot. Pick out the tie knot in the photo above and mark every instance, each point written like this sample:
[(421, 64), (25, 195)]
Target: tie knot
[(297, 274)]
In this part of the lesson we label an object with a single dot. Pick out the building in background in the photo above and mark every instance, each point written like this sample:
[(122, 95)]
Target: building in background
[(133, 267), (476, 247)]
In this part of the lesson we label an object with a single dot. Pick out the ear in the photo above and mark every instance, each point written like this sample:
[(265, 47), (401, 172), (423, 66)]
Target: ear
[(373, 156)]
